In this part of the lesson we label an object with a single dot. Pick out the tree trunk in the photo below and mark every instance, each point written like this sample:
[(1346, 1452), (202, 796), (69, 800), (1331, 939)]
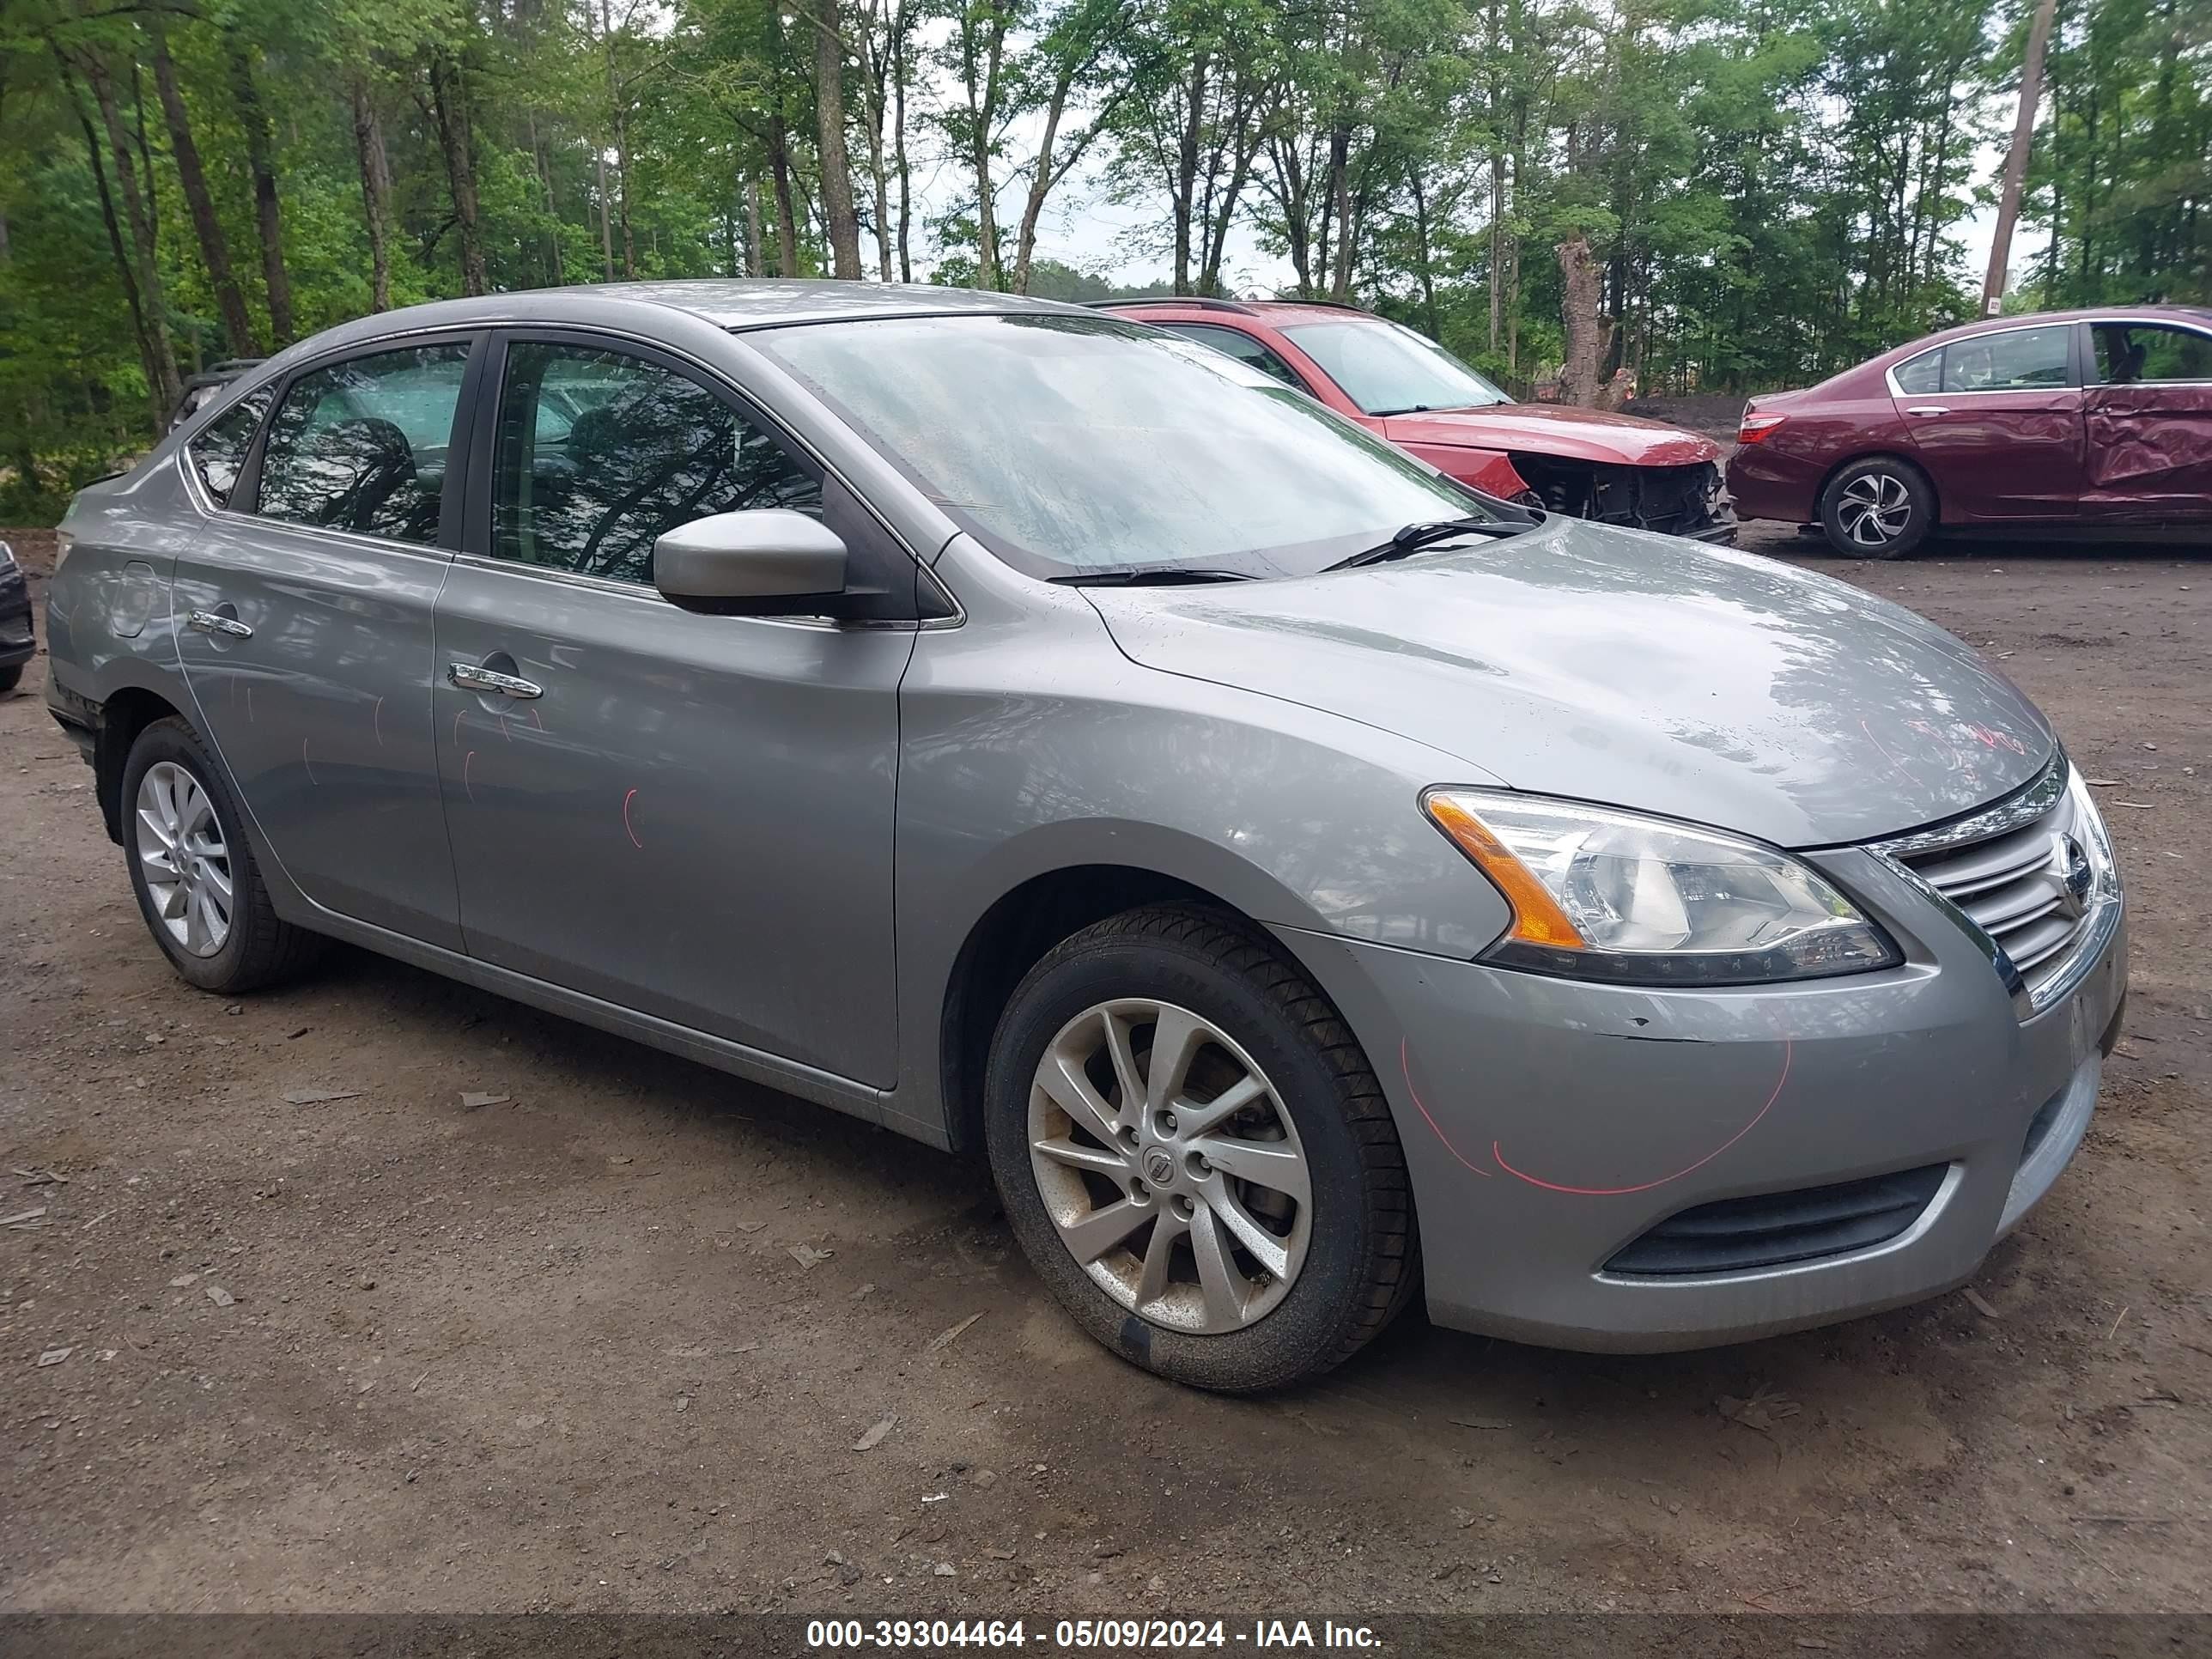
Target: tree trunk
[(606, 215), (983, 109), (215, 253), (755, 254), (1186, 175), (376, 192), (165, 385), (835, 161), (2015, 171), (618, 120), (787, 222), (1421, 244), (125, 270), (1581, 289), (449, 102), (899, 73), (253, 117), (1339, 195)]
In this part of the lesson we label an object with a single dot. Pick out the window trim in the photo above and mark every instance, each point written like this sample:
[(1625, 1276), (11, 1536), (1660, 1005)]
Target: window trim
[(2088, 346), (477, 539), (2073, 376), (452, 494)]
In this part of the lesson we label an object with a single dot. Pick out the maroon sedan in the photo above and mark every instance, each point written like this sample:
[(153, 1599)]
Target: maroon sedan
[(1407, 388), (2080, 422)]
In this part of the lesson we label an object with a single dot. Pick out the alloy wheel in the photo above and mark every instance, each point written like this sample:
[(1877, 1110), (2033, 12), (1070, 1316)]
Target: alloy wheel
[(184, 859), (1874, 509), (1169, 1166)]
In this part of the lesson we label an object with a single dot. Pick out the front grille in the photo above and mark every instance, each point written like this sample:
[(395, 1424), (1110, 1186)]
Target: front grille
[(2021, 871), (1679, 500), (1737, 1234)]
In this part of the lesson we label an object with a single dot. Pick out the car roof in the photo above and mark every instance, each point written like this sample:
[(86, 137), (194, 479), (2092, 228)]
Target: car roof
[(724, 302), (1277, 313)]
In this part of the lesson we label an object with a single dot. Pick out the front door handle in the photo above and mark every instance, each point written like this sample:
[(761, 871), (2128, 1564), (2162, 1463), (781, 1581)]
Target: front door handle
[(1928, 408), (470, 677), (208, 621)]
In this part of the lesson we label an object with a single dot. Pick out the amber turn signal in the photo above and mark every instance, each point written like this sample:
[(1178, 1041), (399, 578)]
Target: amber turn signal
[(1537, 917)]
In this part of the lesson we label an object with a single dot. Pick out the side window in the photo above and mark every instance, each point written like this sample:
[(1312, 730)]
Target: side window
[(600, 453), (2132, 353), (1243, 347), (361, 446), (2023, 360), (1918, 376), (218, 454)]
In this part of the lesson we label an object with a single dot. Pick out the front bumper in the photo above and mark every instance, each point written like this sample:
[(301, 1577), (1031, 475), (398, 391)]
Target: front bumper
[(1549, 1123)]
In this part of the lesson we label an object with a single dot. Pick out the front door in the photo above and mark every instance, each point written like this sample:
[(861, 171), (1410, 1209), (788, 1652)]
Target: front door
[(307, 606), (2001, 434), (688, 816), (2149, 424)]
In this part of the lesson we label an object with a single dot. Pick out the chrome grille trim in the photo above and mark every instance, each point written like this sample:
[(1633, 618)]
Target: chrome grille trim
[(2030, 878)]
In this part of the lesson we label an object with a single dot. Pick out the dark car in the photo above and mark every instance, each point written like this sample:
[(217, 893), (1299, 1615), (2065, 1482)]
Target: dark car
[(1403, 387), (16, 645), (2076, 423)]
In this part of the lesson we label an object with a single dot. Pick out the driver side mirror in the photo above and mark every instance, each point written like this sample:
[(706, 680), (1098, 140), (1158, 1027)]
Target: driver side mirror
[(770, 562)]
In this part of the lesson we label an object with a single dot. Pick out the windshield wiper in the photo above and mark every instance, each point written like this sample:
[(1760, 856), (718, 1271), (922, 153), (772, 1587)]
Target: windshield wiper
[(1413, 537), (1158, 575), (1409, 409)]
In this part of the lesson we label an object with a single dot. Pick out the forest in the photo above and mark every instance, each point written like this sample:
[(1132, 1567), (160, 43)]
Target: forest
[(1747, 193)]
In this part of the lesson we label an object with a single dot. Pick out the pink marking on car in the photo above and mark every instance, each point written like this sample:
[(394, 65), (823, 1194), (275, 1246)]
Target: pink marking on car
[(467, 761), (309, 764), (376, 721), (627, 830), (1405, 1065), (1646, 1185)]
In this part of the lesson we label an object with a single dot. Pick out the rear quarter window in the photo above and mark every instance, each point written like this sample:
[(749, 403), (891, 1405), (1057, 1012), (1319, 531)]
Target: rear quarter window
[(218, 454)]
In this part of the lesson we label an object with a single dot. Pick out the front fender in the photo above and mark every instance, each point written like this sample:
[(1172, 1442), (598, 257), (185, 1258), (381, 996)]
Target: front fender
[(1489, 470), (1030, 743)]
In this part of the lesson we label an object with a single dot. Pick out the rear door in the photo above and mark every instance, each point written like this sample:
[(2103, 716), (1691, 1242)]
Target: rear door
[(307, 605), (2002, 433), (2149, 423)]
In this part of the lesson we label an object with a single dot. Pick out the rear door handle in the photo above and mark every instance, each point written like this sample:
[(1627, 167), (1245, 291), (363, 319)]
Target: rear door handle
[(1928, 408), (470, 677), (208, 621)]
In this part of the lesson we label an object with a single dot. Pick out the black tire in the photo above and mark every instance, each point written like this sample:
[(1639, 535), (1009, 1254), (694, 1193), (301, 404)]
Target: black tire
[(262, 948), (10, 678), (1881, 508), (1362, 1261)]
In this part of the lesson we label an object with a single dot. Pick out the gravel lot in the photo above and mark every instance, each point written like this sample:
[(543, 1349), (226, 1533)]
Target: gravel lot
[(564, 1350)]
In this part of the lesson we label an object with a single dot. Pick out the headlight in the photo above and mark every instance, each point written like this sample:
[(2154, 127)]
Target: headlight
[(1606, 895)]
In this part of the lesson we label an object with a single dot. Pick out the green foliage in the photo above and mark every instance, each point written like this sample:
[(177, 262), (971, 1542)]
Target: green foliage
[(1770, 189)]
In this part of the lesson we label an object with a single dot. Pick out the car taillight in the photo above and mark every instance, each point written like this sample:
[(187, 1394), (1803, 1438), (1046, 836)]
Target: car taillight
[(1757, 428)]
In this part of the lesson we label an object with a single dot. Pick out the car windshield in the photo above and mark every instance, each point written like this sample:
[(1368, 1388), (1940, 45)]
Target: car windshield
[(1071, 446), (1389, 370)]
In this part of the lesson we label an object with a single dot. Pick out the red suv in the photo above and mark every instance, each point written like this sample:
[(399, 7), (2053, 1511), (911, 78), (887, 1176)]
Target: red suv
[(2095, 423), (1614, 468)]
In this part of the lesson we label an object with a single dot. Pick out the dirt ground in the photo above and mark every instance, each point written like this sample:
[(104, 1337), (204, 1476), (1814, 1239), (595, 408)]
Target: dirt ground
[(387, 1352)]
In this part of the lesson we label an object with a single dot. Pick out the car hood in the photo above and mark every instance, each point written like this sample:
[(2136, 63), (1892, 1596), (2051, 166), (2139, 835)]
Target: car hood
[(1619, 666), (1579, 434)]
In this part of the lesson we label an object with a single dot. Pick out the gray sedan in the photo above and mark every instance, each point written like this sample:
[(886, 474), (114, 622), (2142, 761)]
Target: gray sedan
[(1311, 883)]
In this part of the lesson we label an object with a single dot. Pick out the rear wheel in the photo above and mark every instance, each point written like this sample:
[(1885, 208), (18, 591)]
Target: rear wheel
[(194, 874), (8, 677), (1194, 1155), (1878, 509)]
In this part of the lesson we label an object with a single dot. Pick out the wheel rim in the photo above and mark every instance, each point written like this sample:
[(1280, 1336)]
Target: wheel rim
[(1874, 509), (1169, 1166), (184, 858)]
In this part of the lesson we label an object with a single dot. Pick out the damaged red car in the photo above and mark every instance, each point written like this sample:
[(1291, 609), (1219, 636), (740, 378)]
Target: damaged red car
[(1617, 468), (2094, 424)]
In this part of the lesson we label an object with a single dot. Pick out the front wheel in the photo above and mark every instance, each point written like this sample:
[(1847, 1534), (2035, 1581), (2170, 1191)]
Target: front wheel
[(1878, 509), (1194, 1155)]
